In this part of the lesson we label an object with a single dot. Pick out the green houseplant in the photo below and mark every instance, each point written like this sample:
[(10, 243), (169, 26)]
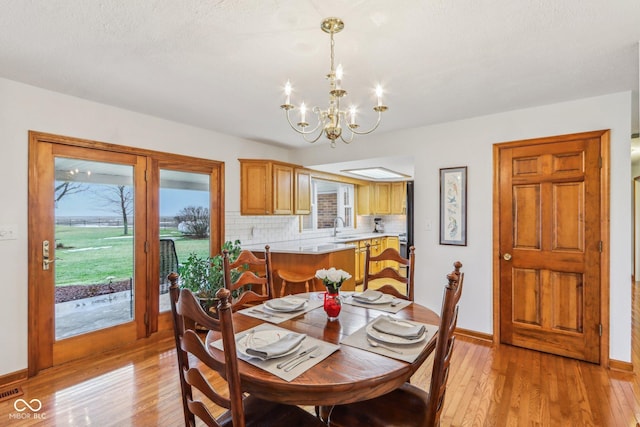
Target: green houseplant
[(204, 276)]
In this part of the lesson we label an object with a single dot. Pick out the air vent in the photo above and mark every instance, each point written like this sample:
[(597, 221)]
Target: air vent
[(10, 393)]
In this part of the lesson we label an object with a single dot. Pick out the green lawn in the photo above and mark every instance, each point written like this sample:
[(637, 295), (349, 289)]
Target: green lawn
[(90, 255)]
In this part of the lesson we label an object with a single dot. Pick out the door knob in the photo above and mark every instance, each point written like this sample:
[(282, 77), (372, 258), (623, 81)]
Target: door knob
[(507, 257)]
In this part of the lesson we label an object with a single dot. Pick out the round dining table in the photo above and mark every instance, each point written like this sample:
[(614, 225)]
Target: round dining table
[(348, 375)]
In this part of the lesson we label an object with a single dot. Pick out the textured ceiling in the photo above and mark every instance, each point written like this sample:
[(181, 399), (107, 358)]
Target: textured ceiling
[(222, 65)]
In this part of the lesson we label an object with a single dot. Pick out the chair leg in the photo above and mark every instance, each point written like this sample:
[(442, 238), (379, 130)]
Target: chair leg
[(283, 289)]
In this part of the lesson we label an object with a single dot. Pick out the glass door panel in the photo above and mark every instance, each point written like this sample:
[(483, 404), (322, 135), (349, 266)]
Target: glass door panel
[(94, 246), (184, 222)]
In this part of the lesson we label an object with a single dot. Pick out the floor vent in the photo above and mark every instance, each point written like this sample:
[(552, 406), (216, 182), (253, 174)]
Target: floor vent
[(10, 393)]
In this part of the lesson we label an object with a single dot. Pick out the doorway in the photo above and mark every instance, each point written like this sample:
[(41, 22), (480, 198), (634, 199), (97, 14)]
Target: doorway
[(551, 253), (94, 234)]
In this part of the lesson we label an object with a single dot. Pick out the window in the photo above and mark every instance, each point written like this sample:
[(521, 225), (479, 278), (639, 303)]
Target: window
[(329, 201)]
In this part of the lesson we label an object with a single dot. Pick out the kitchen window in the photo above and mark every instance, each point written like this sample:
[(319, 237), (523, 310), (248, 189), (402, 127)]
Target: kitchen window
[(331, 203)]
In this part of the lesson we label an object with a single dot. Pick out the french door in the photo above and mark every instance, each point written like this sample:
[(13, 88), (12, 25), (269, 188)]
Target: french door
[(78, 251), (95, 225)]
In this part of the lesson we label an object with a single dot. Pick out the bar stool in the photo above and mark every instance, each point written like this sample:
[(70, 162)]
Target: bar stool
[(290, 277)]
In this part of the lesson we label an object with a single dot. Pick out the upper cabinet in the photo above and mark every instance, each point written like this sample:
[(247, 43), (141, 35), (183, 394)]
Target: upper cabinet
[(255, 187), (302, 192), (273, 188), (382, 198), (398, 198)]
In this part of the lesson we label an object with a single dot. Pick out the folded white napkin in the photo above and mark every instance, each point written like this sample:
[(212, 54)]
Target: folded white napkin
[(388, 325), (278, 348), (286, 304), (368, 296)]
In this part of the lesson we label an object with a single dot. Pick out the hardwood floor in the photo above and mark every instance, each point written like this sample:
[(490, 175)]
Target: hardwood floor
[(488, 386)]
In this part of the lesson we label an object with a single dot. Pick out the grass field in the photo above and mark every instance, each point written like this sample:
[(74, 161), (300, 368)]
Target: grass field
[(94, 255)]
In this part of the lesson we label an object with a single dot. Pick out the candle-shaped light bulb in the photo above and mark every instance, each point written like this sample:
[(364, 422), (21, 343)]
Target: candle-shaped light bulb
[(287, 91), (339, 72), (352, 112), (379, 94), (303, 112)]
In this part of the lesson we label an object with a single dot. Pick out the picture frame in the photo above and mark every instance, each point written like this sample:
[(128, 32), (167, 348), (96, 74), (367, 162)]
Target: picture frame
[(453, 206)]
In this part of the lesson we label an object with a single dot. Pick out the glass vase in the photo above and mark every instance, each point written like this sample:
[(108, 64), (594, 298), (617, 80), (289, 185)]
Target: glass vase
[(332, 305)]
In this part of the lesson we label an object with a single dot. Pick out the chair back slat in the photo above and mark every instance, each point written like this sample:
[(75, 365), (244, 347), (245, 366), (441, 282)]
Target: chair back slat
[(390, 254), (186, 313), (444, 345), (254, 272)]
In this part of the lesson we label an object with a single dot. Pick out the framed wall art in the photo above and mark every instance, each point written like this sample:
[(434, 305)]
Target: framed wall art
[(453, 206)]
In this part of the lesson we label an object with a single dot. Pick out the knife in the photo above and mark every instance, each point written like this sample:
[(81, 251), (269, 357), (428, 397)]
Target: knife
[(296, 357)]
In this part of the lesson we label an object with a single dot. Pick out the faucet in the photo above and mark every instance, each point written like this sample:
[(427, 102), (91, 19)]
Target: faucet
[(335, 225)]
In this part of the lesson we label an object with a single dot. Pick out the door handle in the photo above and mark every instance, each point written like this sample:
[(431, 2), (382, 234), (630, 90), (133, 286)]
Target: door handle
[(45, 255), (507, 257)]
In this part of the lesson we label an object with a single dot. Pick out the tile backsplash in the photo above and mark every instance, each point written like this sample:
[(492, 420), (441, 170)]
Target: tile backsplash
[(279, 228)]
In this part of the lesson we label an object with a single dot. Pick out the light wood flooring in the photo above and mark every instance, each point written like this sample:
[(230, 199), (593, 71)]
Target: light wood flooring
[(488, 386)]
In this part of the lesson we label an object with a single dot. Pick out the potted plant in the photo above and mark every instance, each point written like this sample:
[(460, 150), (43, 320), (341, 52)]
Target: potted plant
[(204, 276)]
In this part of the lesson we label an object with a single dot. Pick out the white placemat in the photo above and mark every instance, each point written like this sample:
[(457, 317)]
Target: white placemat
[(393, 306), (406, 352), (272, 316), (324, 350)]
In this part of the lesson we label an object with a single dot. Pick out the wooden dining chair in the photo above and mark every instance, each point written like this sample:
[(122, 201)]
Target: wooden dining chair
[(389, 272), (237, 410), (249, 276), (409, 405)]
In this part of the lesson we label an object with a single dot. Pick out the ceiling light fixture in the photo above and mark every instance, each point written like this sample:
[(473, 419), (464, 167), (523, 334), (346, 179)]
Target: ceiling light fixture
[(331, 118), (376, 173)]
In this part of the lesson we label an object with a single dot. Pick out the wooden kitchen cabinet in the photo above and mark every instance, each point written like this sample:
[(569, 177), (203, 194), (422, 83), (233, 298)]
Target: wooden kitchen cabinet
[(365, 198), (382, 198), (302, 192), (255, 187), (266, 187), (398, 198), (282, 187)]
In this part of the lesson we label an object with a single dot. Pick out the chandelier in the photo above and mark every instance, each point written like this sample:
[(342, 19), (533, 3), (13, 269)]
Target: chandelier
[(330, 121)]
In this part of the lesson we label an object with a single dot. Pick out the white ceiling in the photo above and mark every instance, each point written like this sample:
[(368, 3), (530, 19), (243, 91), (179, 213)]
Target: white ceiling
[(222, 64)]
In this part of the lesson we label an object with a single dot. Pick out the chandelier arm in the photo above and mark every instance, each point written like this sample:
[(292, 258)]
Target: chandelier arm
[(304, 136), (370, 130), (302, 132), (348, 140)]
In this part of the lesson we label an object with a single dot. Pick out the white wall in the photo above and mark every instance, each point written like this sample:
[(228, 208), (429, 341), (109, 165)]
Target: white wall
[(470, 143), (467, 142), (24, 108)]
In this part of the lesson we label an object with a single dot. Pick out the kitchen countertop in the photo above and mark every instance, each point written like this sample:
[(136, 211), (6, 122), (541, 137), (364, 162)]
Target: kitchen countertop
[(308, 247), (317, 246)]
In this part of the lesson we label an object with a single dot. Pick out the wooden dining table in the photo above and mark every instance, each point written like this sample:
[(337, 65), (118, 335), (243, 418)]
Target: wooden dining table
[(348, 375)]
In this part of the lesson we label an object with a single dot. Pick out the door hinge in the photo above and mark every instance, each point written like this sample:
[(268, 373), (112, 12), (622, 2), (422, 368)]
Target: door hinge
[(146, 175), (600, 329), (146, 247), (600, 162), (146, 319), (600, 246)]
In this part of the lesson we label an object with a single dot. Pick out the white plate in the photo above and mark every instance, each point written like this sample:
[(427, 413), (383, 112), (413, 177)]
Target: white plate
[(293, 301), (392, 339), (261, 338), (384, 299)]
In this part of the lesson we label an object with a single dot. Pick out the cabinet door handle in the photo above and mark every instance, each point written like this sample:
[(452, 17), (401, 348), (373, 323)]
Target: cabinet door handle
[(507, 257)]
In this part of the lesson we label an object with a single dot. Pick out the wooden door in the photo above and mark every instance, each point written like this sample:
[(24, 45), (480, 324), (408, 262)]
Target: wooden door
[(302, 192), (550, 245), (95, 253)]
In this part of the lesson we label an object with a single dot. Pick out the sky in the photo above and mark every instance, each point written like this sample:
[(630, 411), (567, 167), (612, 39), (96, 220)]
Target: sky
[(171, 202)]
